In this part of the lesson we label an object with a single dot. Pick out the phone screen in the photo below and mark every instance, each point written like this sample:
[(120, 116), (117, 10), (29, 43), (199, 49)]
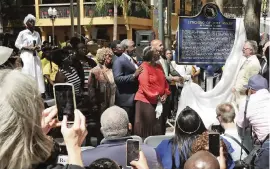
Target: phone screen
[(214, 144), (133, 149), (65, 101)]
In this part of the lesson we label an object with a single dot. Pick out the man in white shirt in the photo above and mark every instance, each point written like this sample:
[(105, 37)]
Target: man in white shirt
[(251, 66), (257, 115), (225, 115)]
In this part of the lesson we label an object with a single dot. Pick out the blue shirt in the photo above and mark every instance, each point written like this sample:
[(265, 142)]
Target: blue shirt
[(164, 153), (115, 149)]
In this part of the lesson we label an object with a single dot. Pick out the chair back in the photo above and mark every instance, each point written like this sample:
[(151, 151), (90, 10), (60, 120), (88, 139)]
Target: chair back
[(154, 141), (138, 138)]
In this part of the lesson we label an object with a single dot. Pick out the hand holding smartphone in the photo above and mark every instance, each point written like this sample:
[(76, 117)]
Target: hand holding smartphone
[(214, 143), (133, 151), (64, 95)]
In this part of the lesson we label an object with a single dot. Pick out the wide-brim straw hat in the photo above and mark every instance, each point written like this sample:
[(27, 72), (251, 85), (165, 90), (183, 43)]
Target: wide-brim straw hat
[(5, 53)]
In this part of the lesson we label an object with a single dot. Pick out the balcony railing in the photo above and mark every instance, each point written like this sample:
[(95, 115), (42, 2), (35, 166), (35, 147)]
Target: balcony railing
[(63, 10), (91, 11), (108, 10)]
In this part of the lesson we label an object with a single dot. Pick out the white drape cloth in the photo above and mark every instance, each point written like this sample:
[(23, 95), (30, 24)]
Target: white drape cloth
[(205, 102)]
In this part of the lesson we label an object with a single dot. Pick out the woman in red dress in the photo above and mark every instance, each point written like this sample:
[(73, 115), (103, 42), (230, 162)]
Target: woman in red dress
[(153, 88)]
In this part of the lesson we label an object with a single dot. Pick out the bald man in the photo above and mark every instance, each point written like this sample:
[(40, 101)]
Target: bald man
[(171, 74), (172, 77), (202, 160)]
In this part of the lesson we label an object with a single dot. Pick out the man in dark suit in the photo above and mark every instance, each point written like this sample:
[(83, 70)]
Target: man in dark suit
[(126, 72), (117, 50)]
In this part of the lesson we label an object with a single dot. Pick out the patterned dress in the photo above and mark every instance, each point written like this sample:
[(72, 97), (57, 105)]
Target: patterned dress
[(101, 88)]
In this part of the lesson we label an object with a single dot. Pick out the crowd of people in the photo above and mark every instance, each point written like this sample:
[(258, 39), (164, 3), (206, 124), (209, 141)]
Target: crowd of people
[(127, 98)]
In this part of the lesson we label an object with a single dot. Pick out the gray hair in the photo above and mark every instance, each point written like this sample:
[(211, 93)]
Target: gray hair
[(254, 46), (23, 143), (226, 112), (125, 43), (101, 53), (114, 122)]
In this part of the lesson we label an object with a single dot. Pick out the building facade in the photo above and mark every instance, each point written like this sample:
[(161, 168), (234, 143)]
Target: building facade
[(95, 24)]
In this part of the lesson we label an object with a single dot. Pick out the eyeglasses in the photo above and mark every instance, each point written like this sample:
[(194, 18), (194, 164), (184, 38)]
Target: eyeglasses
[(244, 49)]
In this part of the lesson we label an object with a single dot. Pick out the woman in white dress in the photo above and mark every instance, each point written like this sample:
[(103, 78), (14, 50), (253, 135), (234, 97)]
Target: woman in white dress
[(28, 41)]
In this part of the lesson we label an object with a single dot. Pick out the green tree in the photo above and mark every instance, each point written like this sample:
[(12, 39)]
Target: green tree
[(125, 6), (252, 19), (4, 5), (252, 14)]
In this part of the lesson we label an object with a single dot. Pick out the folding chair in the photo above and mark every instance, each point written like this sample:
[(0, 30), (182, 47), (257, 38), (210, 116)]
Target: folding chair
[(154, 141)]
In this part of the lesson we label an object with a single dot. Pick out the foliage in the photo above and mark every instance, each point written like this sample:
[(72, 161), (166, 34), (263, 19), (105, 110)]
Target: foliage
[(233, 9), (7, 3), (102, 3), (4, 5), (139, 5)]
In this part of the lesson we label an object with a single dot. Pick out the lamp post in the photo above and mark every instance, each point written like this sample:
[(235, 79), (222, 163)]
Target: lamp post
[(52, 14)]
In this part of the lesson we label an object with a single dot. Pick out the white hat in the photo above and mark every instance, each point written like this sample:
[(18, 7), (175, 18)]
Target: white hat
[(28, 17), (5, 53)]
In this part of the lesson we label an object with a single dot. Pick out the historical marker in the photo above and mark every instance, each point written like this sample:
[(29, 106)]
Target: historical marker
[(207, 38)]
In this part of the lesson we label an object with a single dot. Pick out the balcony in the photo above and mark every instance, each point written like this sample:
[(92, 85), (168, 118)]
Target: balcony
[(63, 10), (108, 10), (89, 14), (90, 11)]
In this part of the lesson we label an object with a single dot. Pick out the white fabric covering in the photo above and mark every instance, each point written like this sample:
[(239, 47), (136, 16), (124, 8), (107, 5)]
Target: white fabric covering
[(205, 102)]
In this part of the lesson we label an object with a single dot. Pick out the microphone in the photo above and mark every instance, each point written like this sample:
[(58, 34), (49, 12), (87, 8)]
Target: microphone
[(34, 44)]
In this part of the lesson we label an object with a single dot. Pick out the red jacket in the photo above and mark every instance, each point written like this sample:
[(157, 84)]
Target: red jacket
[(152, 83)]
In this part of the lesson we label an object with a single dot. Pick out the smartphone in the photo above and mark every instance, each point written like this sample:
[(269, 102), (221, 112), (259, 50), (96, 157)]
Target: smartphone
[(217, 128), (133, 150), (64, 95), (214, 143)]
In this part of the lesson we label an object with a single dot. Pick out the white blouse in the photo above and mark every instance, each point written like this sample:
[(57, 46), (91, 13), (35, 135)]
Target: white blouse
[(26, 39)]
